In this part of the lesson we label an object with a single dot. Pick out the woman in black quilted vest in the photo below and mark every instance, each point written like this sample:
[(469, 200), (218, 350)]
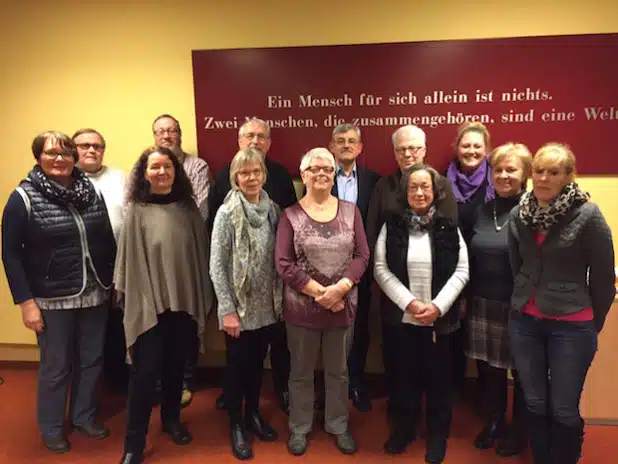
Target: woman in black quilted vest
[(58, 250), (421, 264)]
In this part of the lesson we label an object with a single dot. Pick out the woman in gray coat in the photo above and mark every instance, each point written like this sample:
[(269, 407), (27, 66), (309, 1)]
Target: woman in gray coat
[(562, 258)]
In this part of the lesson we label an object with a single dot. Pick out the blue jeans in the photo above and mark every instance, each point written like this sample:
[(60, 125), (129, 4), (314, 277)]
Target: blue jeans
[(552, 359)]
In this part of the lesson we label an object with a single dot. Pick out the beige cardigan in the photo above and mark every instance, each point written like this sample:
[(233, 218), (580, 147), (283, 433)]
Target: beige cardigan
[(162, 264)]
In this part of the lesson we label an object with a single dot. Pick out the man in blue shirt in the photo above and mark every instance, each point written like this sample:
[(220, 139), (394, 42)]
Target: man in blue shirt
[(355, 183)]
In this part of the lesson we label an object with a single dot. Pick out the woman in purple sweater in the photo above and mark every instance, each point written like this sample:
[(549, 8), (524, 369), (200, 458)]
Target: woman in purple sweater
[(321, 254)]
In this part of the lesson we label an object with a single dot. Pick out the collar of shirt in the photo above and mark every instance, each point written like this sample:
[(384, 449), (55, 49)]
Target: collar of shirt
[(341, 172)]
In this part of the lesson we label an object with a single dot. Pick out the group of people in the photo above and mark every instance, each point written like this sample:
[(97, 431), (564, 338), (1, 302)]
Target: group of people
[(467, 264)]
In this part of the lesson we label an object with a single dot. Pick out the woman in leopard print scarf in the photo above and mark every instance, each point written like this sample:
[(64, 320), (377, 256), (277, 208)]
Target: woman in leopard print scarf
[(542, 218), (562, 258)]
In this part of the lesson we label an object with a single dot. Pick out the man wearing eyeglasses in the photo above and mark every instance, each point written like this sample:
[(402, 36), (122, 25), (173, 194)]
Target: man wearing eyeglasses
[(355, 183), (167, 133), (409, 146), (255, 133), (111, 182)]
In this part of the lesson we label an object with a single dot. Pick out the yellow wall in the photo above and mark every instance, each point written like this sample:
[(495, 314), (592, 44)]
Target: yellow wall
[(69, 64)]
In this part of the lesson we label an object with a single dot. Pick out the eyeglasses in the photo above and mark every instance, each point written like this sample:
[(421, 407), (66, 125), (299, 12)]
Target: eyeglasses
[(55, 154), (343, 141), (246, 174), (252, 135), (424, 188), (162, 132), (86, 146), (411, 148), (317, 169)]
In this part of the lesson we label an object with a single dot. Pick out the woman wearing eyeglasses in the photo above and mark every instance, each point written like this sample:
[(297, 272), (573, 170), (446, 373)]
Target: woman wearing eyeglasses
[(249, 293), (58, 250), (321, 254), (421, 265)]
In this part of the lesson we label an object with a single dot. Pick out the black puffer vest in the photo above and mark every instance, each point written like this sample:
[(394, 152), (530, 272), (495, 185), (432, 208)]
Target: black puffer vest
[(61, 240), (444, 240)]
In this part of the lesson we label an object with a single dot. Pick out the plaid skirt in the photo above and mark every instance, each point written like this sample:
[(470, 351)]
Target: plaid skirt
[(488, 334)]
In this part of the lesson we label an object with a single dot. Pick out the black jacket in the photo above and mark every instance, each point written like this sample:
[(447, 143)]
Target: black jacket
[(367, 180)]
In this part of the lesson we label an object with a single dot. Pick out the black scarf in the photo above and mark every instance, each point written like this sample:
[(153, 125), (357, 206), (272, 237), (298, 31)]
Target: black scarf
[(531, 214), (80, 194)]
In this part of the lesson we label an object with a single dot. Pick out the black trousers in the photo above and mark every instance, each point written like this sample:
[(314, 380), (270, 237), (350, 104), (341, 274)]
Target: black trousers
[(495, 391), (459, 361), (421, 364), (160, 352), (279, 357), (360, 338), (243, 374), (115, 368)]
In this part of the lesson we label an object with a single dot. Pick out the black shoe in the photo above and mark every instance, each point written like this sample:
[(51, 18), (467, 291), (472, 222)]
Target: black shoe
[(220, 403), (241, 448), (436, 450), (98, 432), (297, 444), (131, 458), (398, 441), (360, 399), (57, 444), (513, 442), (256, 424), (493, 430), (284, 401), (180, 434), (319, 403), (345, 443)]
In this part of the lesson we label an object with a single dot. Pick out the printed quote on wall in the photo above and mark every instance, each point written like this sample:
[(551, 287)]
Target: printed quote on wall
[(531, 90)]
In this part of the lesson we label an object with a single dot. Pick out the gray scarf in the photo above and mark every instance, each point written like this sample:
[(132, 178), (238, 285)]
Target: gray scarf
[(245, 218)]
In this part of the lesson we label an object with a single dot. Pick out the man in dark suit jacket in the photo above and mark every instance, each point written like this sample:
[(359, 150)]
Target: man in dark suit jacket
[(355, 183), (255, 133)]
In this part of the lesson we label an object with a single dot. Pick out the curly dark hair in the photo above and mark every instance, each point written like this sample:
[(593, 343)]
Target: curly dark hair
[(438, 193), (139, 187)]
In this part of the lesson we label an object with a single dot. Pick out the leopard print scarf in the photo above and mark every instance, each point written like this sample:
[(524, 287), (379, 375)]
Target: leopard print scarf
[(543, 218)]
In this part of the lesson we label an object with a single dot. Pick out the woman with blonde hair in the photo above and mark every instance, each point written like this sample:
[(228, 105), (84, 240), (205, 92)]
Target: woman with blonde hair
[(249, 293), (470, 176), (488, 295), (562, 257)]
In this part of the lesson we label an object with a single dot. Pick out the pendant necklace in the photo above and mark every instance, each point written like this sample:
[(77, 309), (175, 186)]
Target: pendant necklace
[(499, 228)]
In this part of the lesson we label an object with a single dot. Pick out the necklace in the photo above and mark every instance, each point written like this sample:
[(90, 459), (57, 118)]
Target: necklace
[(499, 228)]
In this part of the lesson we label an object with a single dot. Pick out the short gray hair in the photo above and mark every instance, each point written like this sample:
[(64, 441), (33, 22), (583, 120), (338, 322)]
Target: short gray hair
[(316, 153), (241, 131), (411, 129), (248, 155), (347, 127)]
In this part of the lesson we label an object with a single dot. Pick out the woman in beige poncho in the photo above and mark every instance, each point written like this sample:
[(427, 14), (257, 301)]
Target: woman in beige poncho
[(162, 276)]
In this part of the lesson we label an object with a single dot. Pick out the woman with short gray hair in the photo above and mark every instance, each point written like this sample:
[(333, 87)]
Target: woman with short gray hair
[(249, 293), (321, 255)]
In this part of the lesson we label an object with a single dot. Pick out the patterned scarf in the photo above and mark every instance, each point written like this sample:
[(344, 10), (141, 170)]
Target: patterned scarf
[(531, 214), (466, 185), (245, 217), (80, 194), (418, 222)]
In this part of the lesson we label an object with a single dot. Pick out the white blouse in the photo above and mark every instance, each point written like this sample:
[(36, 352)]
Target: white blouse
[(419, 263)]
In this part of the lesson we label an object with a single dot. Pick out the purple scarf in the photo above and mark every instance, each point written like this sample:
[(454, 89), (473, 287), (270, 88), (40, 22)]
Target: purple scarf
[(466, 185)]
